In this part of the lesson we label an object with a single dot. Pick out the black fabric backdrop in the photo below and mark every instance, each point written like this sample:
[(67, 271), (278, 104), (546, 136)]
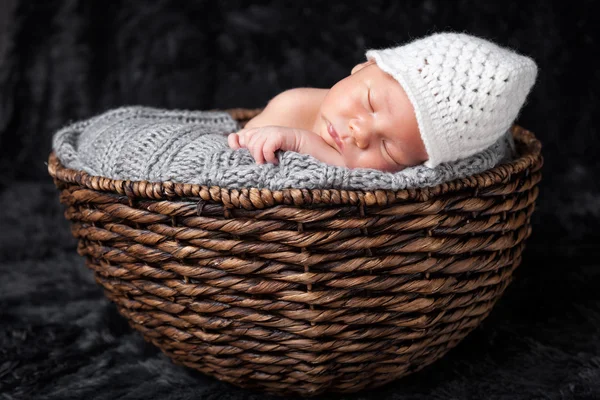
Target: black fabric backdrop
[(66, 60)]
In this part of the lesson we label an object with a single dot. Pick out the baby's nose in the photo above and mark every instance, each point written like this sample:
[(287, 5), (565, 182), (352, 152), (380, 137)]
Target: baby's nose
[(360, 132)]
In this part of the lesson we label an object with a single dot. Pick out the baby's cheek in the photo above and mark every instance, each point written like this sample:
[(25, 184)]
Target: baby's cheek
[(370, 159)]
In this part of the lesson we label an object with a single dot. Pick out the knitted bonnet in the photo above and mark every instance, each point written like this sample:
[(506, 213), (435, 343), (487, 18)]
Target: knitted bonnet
[(466, 91)]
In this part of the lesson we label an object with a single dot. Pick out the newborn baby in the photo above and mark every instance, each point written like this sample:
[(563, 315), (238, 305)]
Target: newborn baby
[(437, 99)]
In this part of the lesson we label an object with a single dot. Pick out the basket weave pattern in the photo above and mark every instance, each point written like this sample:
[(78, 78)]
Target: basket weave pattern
[(304, 291)]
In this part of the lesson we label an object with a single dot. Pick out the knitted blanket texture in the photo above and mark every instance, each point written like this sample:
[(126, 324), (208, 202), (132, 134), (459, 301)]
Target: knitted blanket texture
[(142, 143)]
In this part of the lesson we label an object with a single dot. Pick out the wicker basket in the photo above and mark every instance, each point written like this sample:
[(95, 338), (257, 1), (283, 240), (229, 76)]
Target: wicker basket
[(305, 291)]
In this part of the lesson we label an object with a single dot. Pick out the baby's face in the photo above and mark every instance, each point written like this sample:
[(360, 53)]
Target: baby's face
[(369, 119)]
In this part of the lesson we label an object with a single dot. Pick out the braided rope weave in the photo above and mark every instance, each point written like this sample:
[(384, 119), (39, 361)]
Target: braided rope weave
[(305, 291)]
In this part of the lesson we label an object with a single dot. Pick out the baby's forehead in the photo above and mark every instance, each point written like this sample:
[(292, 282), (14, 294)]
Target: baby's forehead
[(375, 70)]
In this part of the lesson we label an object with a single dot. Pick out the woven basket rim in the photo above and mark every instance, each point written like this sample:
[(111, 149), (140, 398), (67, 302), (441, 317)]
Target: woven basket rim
[(529, 158)]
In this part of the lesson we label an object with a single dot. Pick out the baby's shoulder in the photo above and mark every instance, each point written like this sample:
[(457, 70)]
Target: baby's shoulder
[(299, 95), (295, 107), (302, 100)]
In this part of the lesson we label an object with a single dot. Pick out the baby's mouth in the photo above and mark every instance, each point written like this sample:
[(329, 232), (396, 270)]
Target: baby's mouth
[(334, 135)]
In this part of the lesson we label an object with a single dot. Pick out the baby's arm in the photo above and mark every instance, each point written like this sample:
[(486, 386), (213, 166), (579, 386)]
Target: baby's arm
[(263, 142), (271, 130), (313, 144)]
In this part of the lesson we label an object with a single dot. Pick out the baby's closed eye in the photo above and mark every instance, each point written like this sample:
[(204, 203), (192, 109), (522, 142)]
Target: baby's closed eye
[(387, 152), (370, 104)]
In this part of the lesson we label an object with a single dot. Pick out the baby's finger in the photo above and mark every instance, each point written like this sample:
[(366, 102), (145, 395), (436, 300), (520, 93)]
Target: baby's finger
[(242, 137), (233, 141), (256, 144), (246, 135), (258, 156), (265, 146), (269, 155)]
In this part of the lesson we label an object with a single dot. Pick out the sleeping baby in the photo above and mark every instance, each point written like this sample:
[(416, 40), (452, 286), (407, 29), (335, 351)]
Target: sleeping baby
[(437, 99), (430, 111)]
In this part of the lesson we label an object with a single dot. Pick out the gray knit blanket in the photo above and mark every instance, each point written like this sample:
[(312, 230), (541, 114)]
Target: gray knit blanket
[(142, 143)]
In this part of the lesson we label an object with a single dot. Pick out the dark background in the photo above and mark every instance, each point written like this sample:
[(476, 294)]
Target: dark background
[(66, 60)]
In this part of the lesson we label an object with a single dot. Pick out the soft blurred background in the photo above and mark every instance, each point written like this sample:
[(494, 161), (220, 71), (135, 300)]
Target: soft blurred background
[(62, 61)]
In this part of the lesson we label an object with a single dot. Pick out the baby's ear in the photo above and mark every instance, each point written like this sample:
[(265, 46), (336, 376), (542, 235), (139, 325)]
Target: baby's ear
[(360, 66)]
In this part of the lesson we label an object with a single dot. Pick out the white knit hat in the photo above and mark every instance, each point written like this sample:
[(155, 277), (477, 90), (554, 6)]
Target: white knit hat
[(466, 91)]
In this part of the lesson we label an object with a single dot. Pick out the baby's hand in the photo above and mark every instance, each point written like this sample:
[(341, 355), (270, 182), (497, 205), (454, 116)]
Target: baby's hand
[(264, 141)]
